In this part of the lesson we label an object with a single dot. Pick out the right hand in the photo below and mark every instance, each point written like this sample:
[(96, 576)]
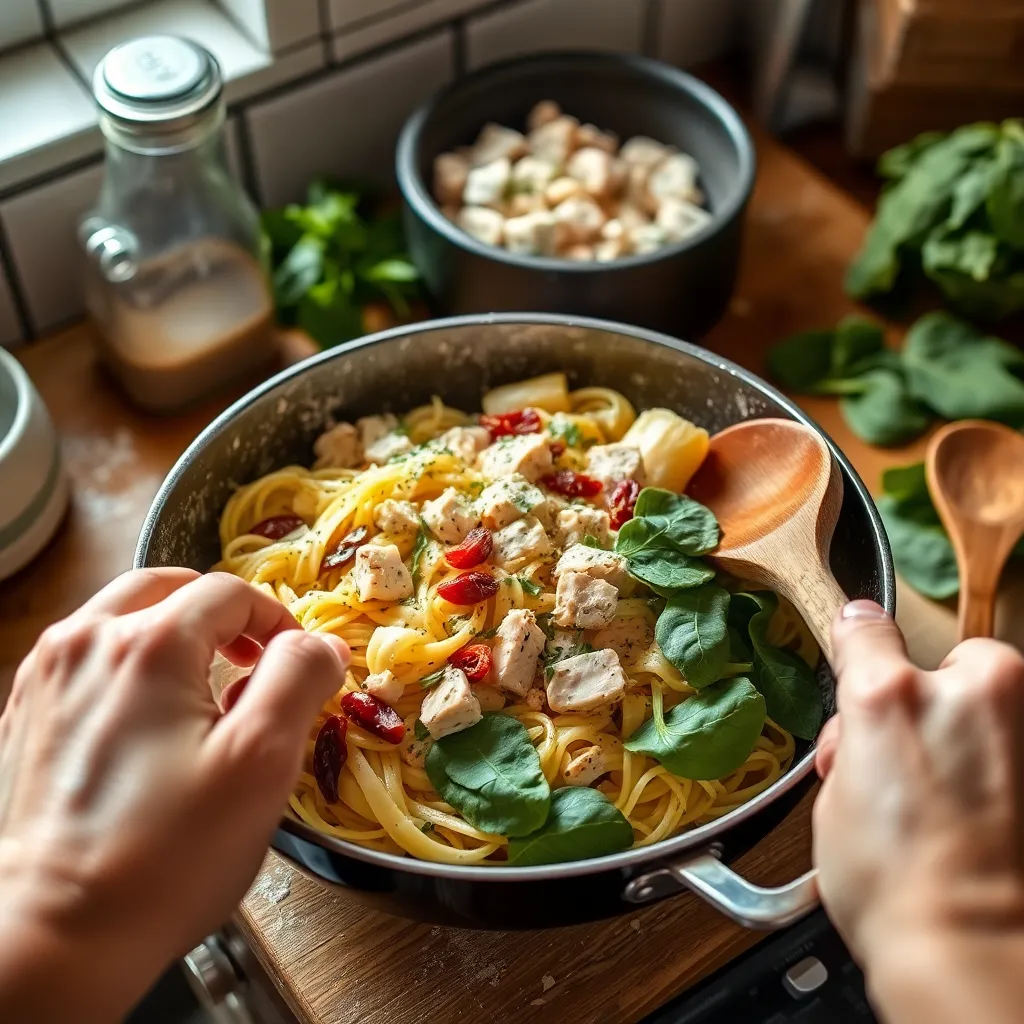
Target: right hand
[(919, 826)]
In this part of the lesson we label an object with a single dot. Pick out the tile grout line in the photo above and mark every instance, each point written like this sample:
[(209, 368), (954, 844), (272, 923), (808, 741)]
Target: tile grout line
[(9, 270)]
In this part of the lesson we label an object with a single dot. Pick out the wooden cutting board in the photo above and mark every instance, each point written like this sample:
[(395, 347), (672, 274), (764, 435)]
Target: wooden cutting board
[(336, 963)]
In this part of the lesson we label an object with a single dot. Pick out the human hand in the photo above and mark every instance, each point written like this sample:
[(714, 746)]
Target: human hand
[(919, 826), (133, 814)]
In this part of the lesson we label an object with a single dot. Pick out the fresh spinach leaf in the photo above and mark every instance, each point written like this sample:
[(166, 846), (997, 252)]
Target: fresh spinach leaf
[(789, 686), (883, 413), (825, 362), (328, 315), (677, 520), (1005, 203), (692, 633), (707, 736), (420, 731), (921, 551), (582, 823), (299, 270), (666, 571), (490, 773), (963, 374), (897, 162)]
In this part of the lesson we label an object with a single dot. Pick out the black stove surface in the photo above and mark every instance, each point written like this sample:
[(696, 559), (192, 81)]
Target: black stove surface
[(801, 976)]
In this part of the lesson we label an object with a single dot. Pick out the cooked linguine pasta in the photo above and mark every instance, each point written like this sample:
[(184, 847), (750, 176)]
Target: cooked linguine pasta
[(379, 514)]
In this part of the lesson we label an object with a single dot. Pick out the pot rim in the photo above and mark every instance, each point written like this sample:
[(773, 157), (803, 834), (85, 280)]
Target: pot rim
[(416, 194), (702, 836)]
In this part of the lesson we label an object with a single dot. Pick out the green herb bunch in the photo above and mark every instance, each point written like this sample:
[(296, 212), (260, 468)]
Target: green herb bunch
[(330, 258), (947, 368), (953, 209)]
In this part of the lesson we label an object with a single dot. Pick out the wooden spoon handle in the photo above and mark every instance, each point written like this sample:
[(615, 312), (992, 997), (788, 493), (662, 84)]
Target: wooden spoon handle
[(818, 597), (977, 614)]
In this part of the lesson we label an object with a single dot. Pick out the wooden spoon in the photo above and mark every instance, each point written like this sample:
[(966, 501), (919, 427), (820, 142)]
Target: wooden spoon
[(777, 493), (976, 476)]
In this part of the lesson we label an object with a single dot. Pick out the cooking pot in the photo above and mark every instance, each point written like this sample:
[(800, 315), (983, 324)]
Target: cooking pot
[(458, 359)]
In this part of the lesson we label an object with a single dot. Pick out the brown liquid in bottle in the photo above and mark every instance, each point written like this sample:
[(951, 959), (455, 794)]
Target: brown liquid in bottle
[(186, 324)]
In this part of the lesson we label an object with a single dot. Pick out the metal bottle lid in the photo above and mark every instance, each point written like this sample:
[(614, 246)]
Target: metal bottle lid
[(157, 83)]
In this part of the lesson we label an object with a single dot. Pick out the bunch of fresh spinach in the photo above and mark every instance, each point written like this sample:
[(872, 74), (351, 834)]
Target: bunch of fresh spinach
[(330, 258), (921, 549), (704, 633), (946, 368), (954, 209), (491, 774)]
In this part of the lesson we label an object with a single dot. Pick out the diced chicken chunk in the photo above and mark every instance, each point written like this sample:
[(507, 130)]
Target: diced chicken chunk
[(583, 601), (648, 238), (396, 517), (680, 219), (587, 765), (554, 141), (561, 189), (531, 174), (451, 706), (547, 512), (340, 447), (602, 565), (483, 224), (526, 454), (581, 253), (543, 113), (507, 500), (644, 152), (592, 168), (591, 135), (628, 638), (522, 203), (521, 541), (450, 173), (381, 440), (675, 178), (448, 517), (605, 252), (465, 442), (535, 699), (581, 217), (380, 574), (496, 142), (534, 234), (517, 648), (630, 217), (613, 463), (579, 521), (587, 682), (487, 185), (384, 686)]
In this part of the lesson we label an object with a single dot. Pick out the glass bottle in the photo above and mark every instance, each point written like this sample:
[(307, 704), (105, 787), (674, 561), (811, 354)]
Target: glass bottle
[(174, 279)]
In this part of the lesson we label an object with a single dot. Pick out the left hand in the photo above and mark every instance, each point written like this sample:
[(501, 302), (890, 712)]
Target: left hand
[(133, 813)]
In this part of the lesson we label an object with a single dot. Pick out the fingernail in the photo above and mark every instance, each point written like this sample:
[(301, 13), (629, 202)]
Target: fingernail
[(864, 610)]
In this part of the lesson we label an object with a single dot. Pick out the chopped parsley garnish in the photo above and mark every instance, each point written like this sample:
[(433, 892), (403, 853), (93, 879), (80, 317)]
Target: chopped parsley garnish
[(427, 827), (421, 731), (432, 680), (529, 586), (590, 541), (487, 633), (568, 431), (558, 654), (419, 550)]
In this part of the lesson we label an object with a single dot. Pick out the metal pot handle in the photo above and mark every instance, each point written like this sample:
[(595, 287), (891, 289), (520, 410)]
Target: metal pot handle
[(752, 906)]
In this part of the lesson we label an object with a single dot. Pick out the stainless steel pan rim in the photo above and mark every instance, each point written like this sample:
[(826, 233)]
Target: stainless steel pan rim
[(699, 839)]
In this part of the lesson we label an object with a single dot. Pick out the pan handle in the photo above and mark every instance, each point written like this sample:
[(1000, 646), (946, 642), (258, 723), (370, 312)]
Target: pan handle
[(753, 906)]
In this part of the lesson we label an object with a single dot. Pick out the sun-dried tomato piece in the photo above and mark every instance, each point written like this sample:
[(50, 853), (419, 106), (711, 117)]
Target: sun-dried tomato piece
[(572, 484), (468, 588), (622, 502), (374, 716), (474, 550), (329, 754), (345, 550), (276, 527), (505, 424), (557, 448), (474, 660)]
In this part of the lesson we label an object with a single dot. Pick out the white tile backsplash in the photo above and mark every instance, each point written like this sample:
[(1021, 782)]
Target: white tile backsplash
[(46, 116), (20, 20), (690, 32), (68, 12), (403, 21), (343, 13), (40, 225), (275, 25), (10, 328), (345, 124), (247, 69), (532, 26)]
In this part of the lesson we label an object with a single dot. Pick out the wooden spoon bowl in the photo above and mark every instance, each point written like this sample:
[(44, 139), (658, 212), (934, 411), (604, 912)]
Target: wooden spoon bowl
[(976, 476), (777, 493)]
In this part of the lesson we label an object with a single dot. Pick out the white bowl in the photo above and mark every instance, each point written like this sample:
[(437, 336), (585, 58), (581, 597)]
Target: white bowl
[(33, 485)]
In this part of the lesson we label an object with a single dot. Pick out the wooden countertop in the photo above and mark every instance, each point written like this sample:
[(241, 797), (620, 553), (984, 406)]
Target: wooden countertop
[(334, 962)]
